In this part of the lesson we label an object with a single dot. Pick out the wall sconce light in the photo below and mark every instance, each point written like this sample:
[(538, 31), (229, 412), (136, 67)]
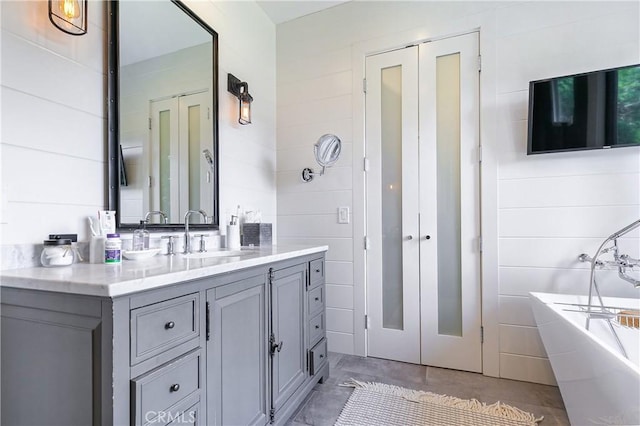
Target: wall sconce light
[(327, 150), (69, 16), (240, 90)]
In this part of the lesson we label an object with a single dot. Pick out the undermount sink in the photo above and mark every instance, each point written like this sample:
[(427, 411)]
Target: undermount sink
[(216, 253)]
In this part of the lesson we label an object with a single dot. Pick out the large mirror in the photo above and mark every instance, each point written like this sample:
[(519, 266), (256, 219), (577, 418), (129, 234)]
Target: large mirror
[(162, 118)]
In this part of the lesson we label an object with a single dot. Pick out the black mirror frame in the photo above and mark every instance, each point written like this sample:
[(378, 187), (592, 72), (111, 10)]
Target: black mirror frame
[(113, 146)]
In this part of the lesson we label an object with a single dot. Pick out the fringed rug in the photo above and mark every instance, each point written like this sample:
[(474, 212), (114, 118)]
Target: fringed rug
[(374, 404)]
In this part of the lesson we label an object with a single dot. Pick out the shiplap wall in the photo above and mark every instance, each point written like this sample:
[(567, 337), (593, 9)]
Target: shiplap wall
[(547, 208), (53, 142), (552, 207)]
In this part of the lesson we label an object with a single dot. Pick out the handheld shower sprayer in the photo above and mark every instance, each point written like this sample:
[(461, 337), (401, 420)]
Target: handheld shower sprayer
[(208, 157)]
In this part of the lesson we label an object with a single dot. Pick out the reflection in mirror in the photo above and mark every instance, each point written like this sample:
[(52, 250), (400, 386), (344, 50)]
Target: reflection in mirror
[(167, 113)]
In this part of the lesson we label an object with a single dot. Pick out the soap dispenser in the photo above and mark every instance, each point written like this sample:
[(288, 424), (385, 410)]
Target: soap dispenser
[(141, 237), (233, 234)]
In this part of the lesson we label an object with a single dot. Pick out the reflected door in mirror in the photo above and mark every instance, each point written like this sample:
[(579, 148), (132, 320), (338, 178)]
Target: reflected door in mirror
[(180, 177)]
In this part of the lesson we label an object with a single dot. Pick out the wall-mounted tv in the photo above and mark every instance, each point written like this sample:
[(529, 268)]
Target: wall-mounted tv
[(593, 110)]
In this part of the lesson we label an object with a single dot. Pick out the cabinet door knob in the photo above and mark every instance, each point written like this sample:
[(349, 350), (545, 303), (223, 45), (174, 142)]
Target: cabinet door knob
[(409, 237), (427, 237), (174, 388), (321, 356), (317, 271), (317, 299), (170, 325), (317, 326)]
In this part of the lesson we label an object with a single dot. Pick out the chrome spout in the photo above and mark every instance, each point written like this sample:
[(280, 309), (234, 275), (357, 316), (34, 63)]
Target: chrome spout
[(187, 238), (156, 212)]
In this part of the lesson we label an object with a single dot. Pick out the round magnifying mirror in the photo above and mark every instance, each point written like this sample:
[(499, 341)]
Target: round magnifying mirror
[(327, 151)]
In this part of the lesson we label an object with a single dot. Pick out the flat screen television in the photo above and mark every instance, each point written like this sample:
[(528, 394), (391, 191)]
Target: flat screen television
[(593, 110)]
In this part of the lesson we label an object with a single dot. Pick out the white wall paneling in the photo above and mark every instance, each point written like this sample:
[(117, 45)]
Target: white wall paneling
[(340, 296), (519, 281), (340, 342), (526, 368), (521, 340), (515, 310), (340, 320)]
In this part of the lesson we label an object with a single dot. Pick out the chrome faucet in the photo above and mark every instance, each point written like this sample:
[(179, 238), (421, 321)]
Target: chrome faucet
[(153, 212), (187, 238)]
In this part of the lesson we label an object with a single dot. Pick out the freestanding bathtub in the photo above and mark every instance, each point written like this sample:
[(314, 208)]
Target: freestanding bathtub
[(599, 385)]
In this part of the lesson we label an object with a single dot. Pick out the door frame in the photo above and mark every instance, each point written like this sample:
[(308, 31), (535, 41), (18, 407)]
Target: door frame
[(488, 178)]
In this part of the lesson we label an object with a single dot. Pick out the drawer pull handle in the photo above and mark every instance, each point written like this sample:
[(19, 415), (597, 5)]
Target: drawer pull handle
[(169, 325), (174, 388), (317, 299)]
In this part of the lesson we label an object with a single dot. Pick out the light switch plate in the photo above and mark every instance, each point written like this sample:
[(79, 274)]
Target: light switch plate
[(343, 214)]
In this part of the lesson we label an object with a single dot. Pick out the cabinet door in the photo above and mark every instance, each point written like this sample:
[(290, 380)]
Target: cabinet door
[(287, 328), (236, 353)]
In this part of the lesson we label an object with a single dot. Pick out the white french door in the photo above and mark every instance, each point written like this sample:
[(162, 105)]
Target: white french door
[(422, 141), (180, 179), (393, 280)]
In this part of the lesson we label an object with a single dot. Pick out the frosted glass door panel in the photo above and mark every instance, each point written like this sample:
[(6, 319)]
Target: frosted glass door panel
[(195, 158), (163, 171), (195, 178), (391, 195), (165, 161), (448, 194)]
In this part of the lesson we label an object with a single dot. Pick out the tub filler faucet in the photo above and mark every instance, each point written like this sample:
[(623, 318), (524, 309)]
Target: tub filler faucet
[(621, 261)]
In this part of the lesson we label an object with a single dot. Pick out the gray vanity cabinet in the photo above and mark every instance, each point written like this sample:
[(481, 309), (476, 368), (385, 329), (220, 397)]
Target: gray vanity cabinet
[(239, 348), (236, 353), (287, 343), (48, 356)]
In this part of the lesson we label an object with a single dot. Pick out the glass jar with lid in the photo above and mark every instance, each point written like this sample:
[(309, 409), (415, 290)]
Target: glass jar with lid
[(57, 252)]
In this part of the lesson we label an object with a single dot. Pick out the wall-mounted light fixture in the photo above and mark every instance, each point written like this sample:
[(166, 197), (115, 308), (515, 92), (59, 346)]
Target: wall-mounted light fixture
[(240, 90), (327, 150), (69, 16)]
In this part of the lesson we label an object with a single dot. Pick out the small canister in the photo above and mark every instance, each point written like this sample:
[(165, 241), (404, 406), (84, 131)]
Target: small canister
[(113, 249), (57, 252)]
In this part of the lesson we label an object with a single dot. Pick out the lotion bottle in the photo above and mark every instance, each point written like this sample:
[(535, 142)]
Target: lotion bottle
[(233, 234)]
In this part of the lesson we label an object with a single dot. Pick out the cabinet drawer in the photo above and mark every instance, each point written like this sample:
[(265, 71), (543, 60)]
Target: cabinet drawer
[(316, 272), (188, 417), (318, 356), (315, 299), (164, 325), (161, 391), (316, 329)]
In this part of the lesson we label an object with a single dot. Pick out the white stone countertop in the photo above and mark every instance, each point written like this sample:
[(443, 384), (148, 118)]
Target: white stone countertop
[(134, 276)]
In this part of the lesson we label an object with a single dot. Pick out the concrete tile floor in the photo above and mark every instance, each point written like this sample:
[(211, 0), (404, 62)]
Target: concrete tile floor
[(324, 404)]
